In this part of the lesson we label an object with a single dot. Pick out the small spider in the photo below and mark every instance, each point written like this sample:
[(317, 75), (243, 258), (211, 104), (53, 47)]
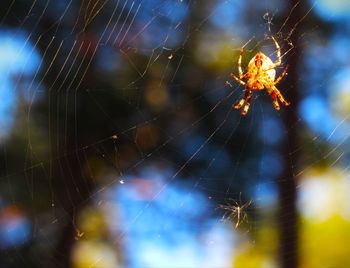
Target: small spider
[(236, 213), (261, 74)]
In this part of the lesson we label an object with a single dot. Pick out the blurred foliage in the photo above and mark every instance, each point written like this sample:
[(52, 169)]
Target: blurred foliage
[(325, 244), (98, 111)]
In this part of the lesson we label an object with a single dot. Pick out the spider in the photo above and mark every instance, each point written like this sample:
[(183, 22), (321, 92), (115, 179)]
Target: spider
[(236, 212), (261, 74)]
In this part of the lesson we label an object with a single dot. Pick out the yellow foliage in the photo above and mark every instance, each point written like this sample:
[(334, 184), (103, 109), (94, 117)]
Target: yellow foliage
[(325, 244)]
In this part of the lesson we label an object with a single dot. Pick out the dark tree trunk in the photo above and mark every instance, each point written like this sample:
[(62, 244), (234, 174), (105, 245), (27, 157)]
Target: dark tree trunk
[(288, 217)]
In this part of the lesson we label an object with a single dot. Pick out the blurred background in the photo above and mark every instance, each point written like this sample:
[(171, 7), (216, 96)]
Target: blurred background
[(119, 146)]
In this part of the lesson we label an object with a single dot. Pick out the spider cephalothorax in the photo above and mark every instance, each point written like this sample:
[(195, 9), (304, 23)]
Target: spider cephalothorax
[(260, 75)]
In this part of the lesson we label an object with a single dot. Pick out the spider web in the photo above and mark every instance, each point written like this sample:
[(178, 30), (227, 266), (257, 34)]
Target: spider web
[(123, 109)]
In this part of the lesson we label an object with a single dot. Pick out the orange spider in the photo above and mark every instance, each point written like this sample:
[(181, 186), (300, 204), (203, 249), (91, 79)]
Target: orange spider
[(261, 74)]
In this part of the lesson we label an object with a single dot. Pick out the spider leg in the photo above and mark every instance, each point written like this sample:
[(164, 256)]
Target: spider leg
[(280, 96), (240, 72), (247, 105), (247, 98), (281, 76), (237, 79), (279, 60), (273, 95), (239, 104), (238, 218)]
